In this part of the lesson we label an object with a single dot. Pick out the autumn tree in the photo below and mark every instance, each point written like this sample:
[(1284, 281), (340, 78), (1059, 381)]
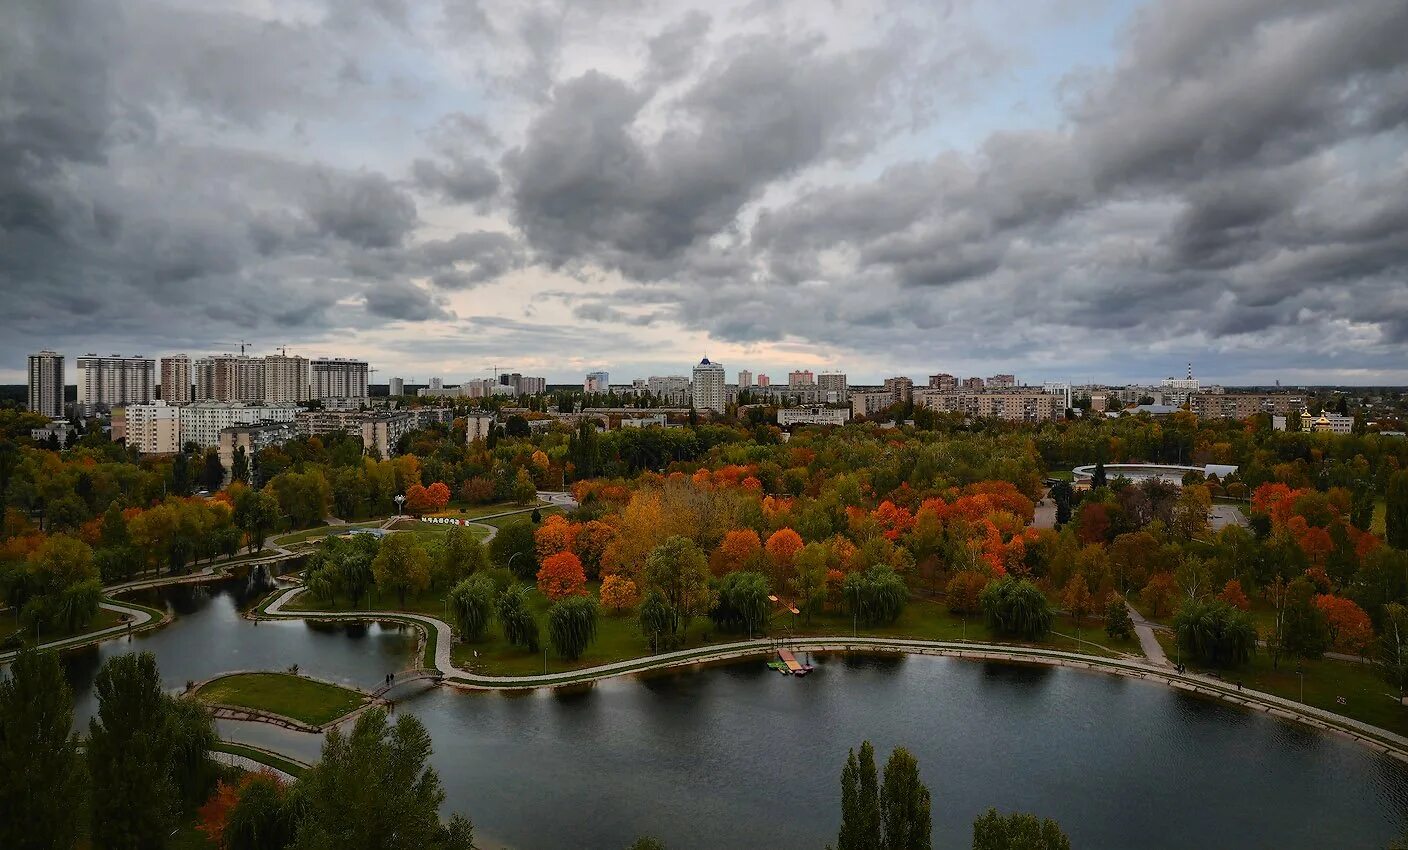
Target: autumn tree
[(963, 591), (741, 549), (679, 573), (555, 535), (1233, 595), (1159, 592), (1077, 599), (782, 547), (1346, 623), (619, 593), (401, 566), (561, 576), (590, 544)]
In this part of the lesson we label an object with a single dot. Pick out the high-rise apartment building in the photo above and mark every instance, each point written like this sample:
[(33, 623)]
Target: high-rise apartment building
[(671, 389), (801, 378), (46, 384), (1002, 382), (975, 385), (943, 381), (745, 379), (337, 378), (832, 387), (397, 386), (596, 382), (285, 379), (176, 379), (202, 422), (108, 382), (899, 388), (229, 377), (764, 381), (708, 393)]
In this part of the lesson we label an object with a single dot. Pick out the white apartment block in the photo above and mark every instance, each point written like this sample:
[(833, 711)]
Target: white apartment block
[(252, 438), (46, 384), (396, 387), (202, 422), (113, 381), (337, 378), (285, 379), (788, 416), (152, 429), (671, 389), (745, 379), (477, 428), (176, 379), (708, 391)]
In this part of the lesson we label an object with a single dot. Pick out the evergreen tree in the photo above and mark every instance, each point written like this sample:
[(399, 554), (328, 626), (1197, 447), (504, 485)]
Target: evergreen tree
[(1098, 479), (239, 470), (1396, 510), (129, 757), (905, 817), (860, 801), (41, 773), (213, 472)]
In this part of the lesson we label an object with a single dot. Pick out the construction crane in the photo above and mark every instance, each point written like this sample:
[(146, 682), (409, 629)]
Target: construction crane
[(241, 344)]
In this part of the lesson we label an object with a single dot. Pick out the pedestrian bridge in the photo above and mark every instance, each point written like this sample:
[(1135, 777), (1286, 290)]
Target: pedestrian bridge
[(424, 674)]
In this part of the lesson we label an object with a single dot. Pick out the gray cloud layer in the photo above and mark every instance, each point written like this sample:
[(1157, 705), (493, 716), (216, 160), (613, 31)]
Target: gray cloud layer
[(1232, 183)]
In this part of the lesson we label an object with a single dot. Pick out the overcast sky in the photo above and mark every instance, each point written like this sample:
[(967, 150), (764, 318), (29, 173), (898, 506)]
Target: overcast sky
[(1061, 189)]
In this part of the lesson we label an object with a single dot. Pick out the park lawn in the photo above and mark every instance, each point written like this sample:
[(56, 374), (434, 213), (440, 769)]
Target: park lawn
[(619, 637), (1061, 475), (103, 619), (476, 511), (319, 532), (309, 701), (500, 522), (1379, 525), (1368, 698)]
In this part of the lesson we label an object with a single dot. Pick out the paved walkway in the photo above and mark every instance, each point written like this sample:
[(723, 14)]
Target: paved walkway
[(1153, 650)]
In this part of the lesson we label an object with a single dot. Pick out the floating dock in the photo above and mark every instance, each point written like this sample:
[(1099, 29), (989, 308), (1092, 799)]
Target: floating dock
[(788, 665)]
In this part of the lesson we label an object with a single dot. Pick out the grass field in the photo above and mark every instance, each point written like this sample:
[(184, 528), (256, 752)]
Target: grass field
[(500, 522), (476, 511), (1367, 697), (9, 624), (319, 532), (314, 703)]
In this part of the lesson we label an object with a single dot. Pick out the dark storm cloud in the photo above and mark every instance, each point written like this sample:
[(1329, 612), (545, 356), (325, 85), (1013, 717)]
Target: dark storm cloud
[(404, 302), (586, 187)]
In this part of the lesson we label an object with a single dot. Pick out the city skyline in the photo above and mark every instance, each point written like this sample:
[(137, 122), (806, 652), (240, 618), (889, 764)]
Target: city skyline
[(1099, 190)]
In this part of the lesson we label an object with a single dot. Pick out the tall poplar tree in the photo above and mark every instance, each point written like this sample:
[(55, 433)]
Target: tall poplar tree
[(41, 775)]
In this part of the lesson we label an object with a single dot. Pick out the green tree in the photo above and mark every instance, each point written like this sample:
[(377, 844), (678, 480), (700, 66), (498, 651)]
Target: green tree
[(213, 471), (860, 801), (905, 818), (471, 604), (679, 572), (876, 596), (741, 602), (129, 756), (1215, 633), (41, 773), (1063, 495), (373, 790), (525, 492), (1016, 607), (461, 554), (809, 578), (263, 815), (239, 466), (1118, 623), (516, 618), (256, 512), (401, 566), (572, 625), (1017, 831), (516, 548), (1393, 647), (1396, 510), (1304, 632)]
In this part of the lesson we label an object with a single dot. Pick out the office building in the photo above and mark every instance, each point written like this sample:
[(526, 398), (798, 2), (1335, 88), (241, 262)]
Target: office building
[(529, 385), (745, 379), (46, 384), (396, 387), (176, 379), (108, 382), (789, 416), (151, 429), (285, 379), (708, 391), (229, 378), (337, 377)]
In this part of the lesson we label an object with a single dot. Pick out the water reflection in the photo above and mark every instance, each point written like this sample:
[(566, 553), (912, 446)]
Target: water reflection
[(739, 756)]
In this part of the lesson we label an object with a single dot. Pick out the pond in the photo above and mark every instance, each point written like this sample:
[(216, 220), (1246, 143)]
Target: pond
[(738, 756)]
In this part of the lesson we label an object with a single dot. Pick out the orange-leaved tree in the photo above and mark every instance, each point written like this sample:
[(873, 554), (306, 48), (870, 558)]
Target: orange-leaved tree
[(782, 547), (1233, 595), (740, 550), (1076, 598), (555, 535), (1158, 594), (561, 576), (619, 593), (1350, 628)]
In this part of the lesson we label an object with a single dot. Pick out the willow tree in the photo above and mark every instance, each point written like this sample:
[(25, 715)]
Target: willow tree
[(516, 618), (1016, 607), (471, 604), (1215, 633), (572, 626)]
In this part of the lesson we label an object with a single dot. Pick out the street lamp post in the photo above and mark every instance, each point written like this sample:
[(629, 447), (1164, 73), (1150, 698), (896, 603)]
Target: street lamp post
[(509, 565), (1300, 671), (399, 499)]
